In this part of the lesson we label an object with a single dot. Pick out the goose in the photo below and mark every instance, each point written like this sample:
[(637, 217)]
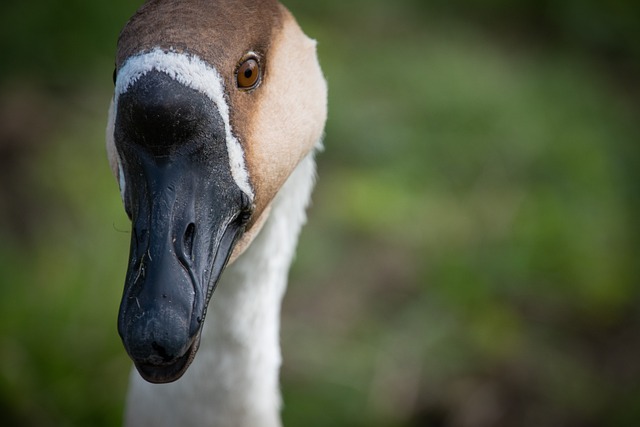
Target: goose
[(218, 109)]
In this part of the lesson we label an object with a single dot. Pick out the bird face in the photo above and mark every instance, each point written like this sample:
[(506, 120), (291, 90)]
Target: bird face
[(214, 106)]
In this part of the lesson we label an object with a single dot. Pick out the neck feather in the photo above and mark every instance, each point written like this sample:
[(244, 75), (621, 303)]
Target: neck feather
[(233, 380)]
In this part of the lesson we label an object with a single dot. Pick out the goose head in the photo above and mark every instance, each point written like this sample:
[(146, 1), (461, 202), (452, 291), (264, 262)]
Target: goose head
[(215, 103)]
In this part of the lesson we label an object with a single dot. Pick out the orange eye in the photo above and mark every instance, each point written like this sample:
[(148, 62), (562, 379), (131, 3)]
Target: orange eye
[(248, 75)]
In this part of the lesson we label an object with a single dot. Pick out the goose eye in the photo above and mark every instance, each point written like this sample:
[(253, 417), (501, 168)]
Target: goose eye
[(248, 74)]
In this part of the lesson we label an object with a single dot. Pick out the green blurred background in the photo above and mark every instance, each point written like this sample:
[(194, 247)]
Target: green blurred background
[(471, 254)]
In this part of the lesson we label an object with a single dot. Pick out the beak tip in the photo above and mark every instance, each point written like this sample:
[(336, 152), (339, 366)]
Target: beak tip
[(157, 371)]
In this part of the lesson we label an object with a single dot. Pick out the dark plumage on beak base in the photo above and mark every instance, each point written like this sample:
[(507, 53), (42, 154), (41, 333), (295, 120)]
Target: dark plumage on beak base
[(187, 214)]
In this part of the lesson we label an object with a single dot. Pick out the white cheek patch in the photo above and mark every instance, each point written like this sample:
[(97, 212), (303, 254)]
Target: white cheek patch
[(121, 181), (194, 73), (112, 152)]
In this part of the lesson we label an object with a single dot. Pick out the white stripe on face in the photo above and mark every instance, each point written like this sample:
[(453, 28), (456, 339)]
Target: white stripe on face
[(194, 73)]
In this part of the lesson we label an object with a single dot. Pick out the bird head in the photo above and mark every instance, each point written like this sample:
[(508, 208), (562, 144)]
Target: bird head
[(215, 104)]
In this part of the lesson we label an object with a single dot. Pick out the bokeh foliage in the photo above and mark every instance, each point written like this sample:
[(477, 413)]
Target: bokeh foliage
[(470, 258)]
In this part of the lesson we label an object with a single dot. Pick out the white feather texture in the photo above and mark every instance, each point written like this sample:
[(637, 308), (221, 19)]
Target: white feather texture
[(194, 73), (236, 369)]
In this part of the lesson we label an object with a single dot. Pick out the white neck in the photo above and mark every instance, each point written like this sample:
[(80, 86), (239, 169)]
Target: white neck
[(233, 380)]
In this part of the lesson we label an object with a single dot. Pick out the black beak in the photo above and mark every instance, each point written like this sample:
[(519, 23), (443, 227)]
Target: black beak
[(187, 214)]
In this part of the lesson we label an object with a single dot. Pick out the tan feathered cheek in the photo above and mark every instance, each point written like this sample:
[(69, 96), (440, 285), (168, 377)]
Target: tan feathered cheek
[(248, 74)]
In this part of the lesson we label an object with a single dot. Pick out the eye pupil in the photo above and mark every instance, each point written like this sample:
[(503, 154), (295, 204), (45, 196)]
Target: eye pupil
[(248, 72)]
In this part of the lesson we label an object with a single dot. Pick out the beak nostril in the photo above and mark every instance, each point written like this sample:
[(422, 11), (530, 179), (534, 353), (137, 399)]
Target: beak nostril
[(188, 240)]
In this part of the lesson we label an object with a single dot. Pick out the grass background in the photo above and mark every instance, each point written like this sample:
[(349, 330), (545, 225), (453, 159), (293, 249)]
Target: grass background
[(471, 254)]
